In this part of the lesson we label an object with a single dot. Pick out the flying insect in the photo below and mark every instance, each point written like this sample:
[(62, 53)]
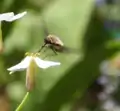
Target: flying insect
[(55, 44)]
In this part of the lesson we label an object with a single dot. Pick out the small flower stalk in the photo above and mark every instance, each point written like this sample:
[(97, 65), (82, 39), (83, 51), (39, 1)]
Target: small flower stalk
[(29, 63), (30, 76)]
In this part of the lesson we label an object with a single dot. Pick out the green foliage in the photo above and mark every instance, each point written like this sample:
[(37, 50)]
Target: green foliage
[(77, 25)]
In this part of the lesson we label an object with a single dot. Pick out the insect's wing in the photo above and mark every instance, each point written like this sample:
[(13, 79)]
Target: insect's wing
[(46, 33), (69, 50), (45, 29)]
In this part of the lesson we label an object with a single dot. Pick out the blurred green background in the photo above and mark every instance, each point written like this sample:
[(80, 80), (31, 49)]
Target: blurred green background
[(91, 26)]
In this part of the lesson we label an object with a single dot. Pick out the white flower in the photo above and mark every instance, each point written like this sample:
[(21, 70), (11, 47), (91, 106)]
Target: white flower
[(29, 63), (24, 64), (9, 17)]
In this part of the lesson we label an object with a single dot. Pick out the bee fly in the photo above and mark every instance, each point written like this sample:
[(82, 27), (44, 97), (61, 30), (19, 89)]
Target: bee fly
[(53, 42)]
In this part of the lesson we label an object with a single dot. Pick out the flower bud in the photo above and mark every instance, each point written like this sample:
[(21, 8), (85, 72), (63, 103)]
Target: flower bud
[(30, 75)]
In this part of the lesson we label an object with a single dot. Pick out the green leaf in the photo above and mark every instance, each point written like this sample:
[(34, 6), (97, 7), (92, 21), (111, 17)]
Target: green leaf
[(83, 74)]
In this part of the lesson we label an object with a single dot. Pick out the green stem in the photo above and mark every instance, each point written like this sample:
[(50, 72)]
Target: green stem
[(0, 32), (1, 41), (23, 101)]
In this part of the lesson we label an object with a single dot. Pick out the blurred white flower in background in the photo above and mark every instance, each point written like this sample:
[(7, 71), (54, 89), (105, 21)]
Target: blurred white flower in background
[(10, 16), (110, 80)]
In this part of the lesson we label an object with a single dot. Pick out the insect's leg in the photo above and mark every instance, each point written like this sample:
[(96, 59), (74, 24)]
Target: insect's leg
[(54, 50), (49, 56), (45, 49), (41, 48), (45, 57)]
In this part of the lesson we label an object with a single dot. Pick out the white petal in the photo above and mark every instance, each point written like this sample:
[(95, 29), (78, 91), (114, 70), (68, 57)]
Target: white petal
[(45, 64), (17, 16), (11, 17), (6, 16), (20, 66)]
